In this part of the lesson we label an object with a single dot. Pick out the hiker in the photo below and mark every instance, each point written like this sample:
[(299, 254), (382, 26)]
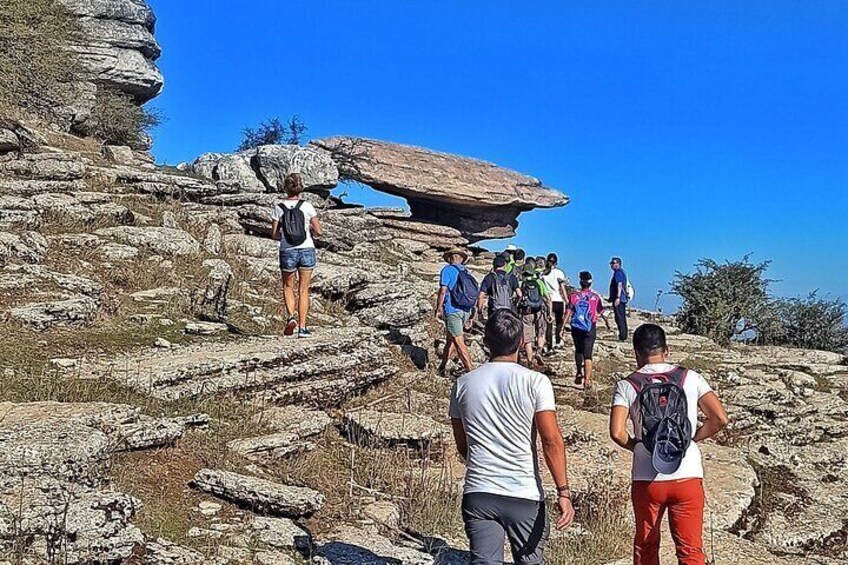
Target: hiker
[(618, 297), (556, 284), (662, 401), (509, 254), (518, 260), (496, 413), (294, 223), (535, 310), (584, 308), (744, 331), (500, 287), (458, 294)]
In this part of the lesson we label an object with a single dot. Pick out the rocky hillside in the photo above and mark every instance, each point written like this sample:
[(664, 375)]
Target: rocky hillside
[(151, 412)]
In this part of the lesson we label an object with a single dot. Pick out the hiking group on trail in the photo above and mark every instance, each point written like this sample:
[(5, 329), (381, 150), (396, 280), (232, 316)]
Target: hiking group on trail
[(500, 409)]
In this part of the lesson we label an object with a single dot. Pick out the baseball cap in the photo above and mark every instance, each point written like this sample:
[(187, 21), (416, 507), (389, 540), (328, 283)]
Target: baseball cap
[(668, 452)]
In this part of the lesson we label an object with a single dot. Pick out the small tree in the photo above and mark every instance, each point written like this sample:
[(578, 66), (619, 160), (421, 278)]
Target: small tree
[(273, 132), (814, 322), (716, 291), (116, 119)]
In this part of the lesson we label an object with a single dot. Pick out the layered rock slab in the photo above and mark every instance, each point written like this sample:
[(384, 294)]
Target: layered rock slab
[(480, 199), (260, 495), (320, 371)]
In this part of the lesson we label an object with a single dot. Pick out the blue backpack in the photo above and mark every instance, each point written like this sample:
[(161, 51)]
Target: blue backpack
[(582, 319), (464, 293)]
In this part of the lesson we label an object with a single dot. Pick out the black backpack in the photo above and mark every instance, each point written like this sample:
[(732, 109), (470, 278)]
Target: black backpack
[(293, 224), (464, 293), (664, 412), (500, 293), (532, 300)]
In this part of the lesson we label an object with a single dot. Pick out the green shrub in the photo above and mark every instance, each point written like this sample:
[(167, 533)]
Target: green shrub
[(36, 68), (715, 291), (814, 322), (273, 132), (116, 119)]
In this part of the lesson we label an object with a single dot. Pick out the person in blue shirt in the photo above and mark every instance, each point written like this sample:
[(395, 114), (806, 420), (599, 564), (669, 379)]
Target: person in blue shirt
[(456, 320), (618, 297)]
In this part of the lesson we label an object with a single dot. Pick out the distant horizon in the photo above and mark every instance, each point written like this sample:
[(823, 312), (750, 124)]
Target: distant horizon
[(679, 132)]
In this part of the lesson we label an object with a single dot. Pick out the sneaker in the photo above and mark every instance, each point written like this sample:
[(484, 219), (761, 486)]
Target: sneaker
[(303, 332), (578, 379), (290, 327)]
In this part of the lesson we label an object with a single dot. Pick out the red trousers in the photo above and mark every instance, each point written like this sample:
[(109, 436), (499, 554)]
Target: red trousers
[(684, 500)]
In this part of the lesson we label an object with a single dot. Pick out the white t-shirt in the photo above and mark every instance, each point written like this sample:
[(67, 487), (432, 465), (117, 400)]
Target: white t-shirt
[(497, 403), (695, 386), (308, 211), (552, 282)]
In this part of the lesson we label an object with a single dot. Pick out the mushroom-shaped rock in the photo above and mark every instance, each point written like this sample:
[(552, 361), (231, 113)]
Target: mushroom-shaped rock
[(480, 199)]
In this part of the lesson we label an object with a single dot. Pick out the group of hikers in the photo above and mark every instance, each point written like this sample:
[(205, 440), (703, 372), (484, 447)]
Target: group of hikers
[(540, 293), (500, 409)]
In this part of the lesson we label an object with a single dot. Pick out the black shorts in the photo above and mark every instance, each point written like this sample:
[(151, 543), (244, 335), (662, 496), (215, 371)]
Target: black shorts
[(584, 342)]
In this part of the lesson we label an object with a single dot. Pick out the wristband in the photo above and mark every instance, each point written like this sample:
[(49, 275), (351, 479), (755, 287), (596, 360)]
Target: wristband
[(563, 492)]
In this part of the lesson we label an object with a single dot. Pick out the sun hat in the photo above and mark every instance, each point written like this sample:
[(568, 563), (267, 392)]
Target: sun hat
[(528, 270), (511, 248), (455, 251)]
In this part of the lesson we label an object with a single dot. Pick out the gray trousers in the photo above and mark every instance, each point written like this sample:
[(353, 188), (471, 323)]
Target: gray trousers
[(490, 517)]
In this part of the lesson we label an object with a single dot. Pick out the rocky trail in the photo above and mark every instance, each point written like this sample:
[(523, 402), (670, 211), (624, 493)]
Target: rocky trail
[(152, 412)]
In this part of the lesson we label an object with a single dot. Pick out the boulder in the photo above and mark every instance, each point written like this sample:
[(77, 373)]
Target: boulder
[(262, 168), (260, 495), (391, 428), (161, 240), (70, 312), (119, 154), (478, 198)]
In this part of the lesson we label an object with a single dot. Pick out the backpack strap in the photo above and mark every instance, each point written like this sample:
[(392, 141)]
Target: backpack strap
[(639, 380), (298, 205)]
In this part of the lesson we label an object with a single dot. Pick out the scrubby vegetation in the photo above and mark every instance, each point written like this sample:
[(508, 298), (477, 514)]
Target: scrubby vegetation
[(36, 68), (274, 132), (117, 119), (715, 294)]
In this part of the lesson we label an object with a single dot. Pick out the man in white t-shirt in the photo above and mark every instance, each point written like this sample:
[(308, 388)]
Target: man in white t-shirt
[(678, 484), (557, 284), (496, 412), (297, 251)]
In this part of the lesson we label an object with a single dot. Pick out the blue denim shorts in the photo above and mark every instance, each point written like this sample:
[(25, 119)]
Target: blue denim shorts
[(292, 260)]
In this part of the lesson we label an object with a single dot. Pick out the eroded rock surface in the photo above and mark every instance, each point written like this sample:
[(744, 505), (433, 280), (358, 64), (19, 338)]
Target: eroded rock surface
[(260, 495), (480, 199)]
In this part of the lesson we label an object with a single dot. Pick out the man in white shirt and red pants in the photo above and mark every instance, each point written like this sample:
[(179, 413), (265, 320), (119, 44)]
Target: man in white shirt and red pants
[(661, 482)]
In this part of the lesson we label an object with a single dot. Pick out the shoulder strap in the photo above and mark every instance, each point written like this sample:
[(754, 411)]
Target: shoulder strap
[(678, 375), (298, 205), (638, 380)]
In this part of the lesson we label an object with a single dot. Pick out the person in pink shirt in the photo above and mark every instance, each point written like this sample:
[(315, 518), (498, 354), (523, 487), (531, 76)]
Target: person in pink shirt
[(584, 308)]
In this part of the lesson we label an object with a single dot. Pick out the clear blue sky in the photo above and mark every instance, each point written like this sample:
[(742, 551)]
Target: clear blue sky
[(680, 130)]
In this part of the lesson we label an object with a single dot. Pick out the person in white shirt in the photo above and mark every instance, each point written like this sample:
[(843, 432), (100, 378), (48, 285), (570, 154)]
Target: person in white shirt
[(496, 412), (297, 251), (661, 482), (557, 285)]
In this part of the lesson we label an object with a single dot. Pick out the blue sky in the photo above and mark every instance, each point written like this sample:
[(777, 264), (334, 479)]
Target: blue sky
[(680, 130)]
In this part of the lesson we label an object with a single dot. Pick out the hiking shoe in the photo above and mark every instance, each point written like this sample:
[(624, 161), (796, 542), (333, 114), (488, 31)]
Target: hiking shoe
[(290, 327), (578, 379), (303, 332)]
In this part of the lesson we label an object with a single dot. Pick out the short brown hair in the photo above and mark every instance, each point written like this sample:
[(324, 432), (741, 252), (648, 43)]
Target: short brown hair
[(293, 184)]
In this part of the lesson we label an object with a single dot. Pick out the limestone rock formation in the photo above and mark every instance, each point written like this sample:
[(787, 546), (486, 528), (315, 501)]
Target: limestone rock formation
[(478, 198), (262, 168), (119, 49), (260, 495)]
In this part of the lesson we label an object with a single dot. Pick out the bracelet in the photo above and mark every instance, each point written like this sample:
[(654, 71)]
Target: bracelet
[(563, 492)]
